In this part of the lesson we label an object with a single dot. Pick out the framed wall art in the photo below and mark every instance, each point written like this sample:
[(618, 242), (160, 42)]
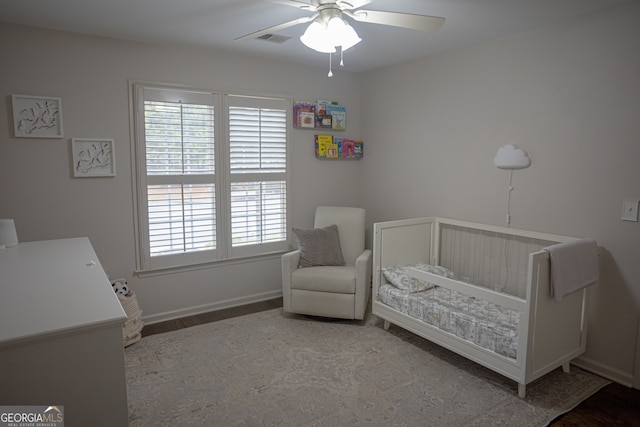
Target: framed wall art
[(93, 157), (37, 116)]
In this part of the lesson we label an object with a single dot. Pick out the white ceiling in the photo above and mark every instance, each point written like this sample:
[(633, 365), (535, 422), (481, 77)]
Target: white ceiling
[(214, 24)]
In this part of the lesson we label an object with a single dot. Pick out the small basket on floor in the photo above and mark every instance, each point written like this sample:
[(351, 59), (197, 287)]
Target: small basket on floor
[(132, 329)]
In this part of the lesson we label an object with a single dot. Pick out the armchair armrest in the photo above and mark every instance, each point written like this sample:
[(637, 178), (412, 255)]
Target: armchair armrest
[(290, 262), (363, 282)]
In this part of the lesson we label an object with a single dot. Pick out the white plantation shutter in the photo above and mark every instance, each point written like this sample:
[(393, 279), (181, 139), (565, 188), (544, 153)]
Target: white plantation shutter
[(181, 218), (179, 138), (258, 140), (180, 174), (258, 212), (258, 170), (188, 211)]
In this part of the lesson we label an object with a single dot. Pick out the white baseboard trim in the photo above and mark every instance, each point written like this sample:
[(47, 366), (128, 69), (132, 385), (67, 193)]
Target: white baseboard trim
[(205, 308), (607, 372)]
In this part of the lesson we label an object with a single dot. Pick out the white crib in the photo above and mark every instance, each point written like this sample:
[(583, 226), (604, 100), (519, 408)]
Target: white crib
[(502, 266)]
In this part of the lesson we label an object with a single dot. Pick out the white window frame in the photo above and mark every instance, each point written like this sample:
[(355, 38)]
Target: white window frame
[(224, 251)]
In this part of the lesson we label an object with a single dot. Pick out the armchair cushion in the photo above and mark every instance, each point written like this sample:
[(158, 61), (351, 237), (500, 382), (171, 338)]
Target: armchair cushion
[(335, 279), (319, 246)]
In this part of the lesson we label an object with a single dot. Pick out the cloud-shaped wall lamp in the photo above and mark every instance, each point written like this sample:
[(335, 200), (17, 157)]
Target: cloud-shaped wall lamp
[(510, 157)]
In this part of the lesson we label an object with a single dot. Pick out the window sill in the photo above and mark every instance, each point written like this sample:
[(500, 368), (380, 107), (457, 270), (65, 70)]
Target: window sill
[(202, 266)]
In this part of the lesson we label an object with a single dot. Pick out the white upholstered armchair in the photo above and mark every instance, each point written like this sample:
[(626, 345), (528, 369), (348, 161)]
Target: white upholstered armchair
[(334, 290)]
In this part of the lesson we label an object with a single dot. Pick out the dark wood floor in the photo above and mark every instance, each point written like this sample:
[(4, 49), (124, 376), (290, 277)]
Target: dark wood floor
[(213, 316), (614, 405)]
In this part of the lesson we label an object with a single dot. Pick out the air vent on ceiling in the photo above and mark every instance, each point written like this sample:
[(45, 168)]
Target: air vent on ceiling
[(274, 38)]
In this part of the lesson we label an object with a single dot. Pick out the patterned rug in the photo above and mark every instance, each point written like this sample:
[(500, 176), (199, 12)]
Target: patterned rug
[(273, 368)]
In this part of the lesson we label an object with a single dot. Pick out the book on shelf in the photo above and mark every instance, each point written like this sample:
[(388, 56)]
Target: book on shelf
[(304, 114), (330, 147), (320, 114), (350, 149), (347, 150), (332, 151), (338, 114), (358, 149), (323, 118), (307, 119), (322, 143)]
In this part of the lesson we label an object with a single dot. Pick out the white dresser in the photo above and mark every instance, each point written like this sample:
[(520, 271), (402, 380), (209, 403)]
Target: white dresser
[(61, 333)]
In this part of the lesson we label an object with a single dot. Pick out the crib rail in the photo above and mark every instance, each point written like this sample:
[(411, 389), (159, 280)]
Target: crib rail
[(520, 305), (470, 289)]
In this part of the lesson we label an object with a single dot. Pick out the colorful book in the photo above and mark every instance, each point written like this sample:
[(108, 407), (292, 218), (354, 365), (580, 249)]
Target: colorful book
[(338, 115), (358, 149), (322, 144), (348, 149), (307, 119), (333, 147), (323, 118), (304, 114), (332, 151)]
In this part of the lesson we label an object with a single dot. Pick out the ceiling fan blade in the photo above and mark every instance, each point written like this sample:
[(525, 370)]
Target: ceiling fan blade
[(397, 19), (275, 28), (294, 3)]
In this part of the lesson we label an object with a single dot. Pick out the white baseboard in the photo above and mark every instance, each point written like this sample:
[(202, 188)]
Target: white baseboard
[(605, 371), (629, 379), (205, 308)]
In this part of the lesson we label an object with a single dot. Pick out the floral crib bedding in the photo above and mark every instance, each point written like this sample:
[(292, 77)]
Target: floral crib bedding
[(483, 323)]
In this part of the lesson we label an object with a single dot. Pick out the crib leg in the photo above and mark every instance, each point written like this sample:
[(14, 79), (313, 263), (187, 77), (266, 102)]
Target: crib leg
[(522, 390), (565, 368), (386, 325)]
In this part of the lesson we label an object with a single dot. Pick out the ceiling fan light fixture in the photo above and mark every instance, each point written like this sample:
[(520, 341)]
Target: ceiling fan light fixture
[(351, 38), (342, 34), (325, 38), (315, 37)]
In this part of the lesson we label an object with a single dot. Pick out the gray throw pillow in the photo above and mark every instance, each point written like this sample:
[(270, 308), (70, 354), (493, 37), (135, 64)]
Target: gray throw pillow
[(319, 246)]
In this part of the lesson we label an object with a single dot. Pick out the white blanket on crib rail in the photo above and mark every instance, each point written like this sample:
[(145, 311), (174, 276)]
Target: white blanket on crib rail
[(573, 266)]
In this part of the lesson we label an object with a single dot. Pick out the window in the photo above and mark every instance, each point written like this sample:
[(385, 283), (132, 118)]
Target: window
[(257, 159), (211, 176)]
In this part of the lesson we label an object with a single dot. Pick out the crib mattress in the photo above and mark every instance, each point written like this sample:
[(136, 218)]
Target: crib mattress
[(485, 324)]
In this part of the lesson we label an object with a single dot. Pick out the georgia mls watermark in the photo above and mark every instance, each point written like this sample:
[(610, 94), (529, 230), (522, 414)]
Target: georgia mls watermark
[(32, 416)]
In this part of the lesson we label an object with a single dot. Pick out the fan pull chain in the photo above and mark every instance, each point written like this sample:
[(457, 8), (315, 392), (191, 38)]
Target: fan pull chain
[(341, 57), (330, 72)]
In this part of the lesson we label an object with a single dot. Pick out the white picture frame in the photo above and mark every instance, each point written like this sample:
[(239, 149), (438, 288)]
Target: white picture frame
[(630, 210), (93, 157), (37, 116)]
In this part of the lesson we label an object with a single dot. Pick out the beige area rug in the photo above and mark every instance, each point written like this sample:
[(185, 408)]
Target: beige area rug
[(272, 368)]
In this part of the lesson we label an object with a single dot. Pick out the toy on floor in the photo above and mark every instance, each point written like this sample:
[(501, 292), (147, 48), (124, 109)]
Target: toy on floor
[(120, 287)]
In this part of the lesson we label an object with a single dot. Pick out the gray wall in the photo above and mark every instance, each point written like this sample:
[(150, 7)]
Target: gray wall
[(90, 75), (569, 95)]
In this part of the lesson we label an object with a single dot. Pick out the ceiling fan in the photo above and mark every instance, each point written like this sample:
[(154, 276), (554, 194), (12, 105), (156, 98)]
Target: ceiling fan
[(330, 31)]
